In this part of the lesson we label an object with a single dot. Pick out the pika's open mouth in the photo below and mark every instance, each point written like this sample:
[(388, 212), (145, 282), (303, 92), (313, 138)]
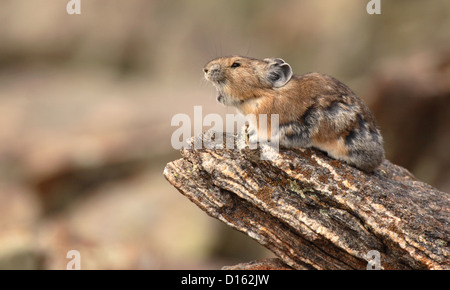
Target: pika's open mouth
[(220, 98)]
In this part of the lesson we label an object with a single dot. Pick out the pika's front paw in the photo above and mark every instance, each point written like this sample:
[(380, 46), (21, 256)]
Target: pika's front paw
[(252, 138), (252, 135)]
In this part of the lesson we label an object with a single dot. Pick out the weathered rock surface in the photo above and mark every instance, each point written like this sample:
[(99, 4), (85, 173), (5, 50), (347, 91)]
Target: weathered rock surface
[(264, 264), (315, 212)]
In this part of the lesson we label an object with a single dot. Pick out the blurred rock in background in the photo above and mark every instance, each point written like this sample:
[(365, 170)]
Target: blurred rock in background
[(412, 105), (86, 103)]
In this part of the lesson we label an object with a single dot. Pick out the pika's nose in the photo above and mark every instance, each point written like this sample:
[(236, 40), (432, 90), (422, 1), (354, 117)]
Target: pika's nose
[(212, 69)]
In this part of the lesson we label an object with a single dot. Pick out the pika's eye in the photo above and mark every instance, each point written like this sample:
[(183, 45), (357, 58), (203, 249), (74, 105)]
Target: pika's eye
[(235, 64)]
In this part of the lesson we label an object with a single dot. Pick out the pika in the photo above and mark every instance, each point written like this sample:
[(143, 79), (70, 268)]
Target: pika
[(315, 110)]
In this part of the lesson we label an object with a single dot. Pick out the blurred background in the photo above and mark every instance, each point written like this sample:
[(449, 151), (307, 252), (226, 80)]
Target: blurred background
[(86, 103)]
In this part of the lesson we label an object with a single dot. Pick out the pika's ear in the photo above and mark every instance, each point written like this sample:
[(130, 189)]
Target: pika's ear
[(278, 72)]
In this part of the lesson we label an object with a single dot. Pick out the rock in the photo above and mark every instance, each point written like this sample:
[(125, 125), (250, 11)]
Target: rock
[(315, 212), (264, 264)]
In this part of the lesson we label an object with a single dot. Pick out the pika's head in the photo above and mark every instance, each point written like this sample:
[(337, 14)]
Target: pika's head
[(239, 79)]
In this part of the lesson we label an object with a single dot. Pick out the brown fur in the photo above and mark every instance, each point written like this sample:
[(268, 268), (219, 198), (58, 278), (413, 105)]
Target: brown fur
[(314, 109)]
